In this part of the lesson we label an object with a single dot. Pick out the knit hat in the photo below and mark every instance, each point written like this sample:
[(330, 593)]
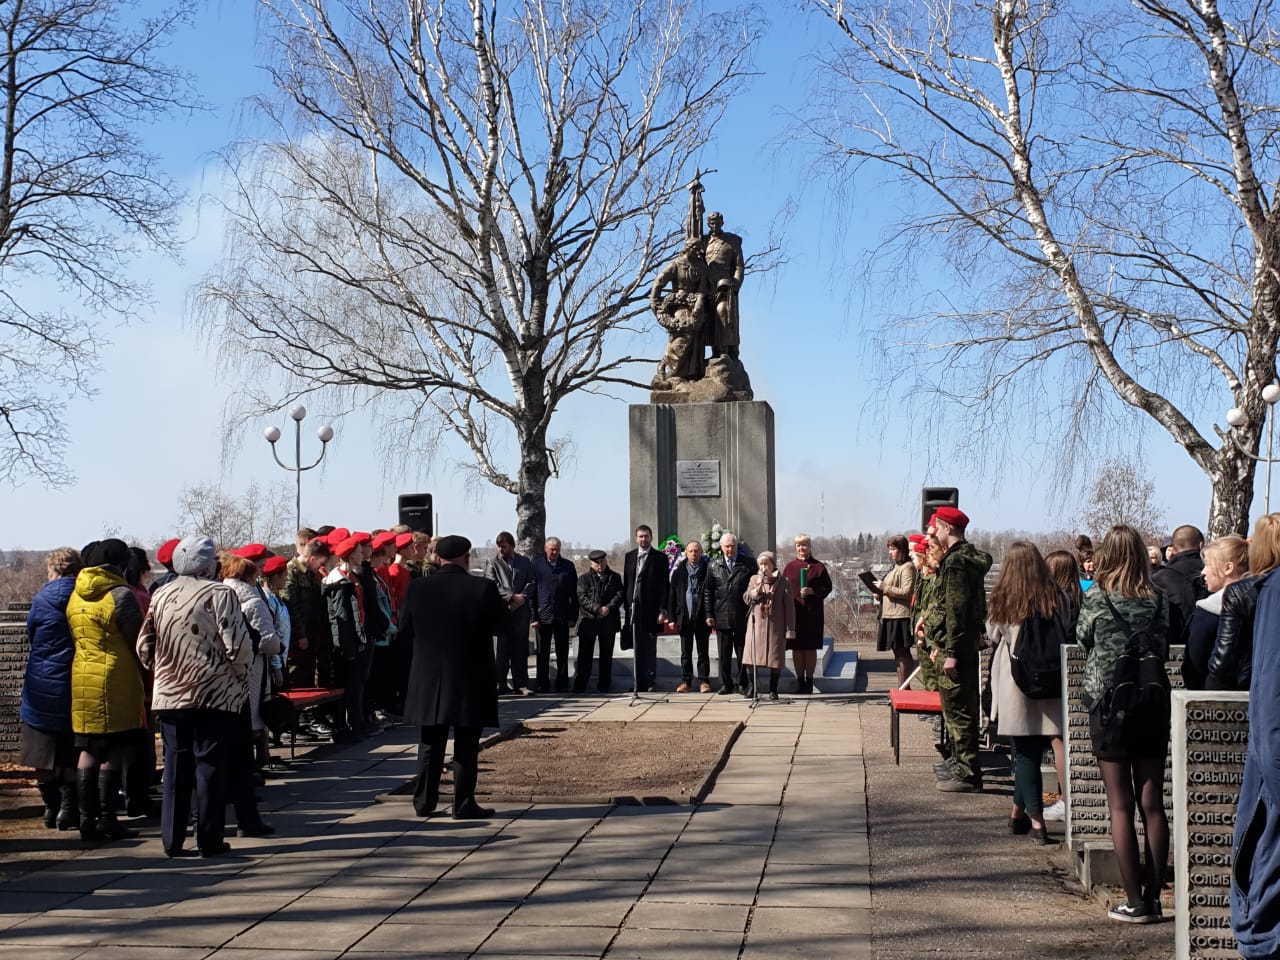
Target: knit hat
[(195, 557), (111, 552)]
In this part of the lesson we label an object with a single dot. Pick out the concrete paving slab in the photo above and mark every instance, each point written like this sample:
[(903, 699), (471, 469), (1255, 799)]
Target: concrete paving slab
[(692, 918), (8, 952), (780, 945), (106, 952), (461, 892), (49, 931), (742, 890), (419, 939), (545, 942), (639, 943), (595, 868), (816, 874), (311, 924), (241, 953)]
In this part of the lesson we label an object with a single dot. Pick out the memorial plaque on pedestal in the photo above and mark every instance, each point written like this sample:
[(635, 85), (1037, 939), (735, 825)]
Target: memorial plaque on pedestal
[(697, 464), (1087, 814), (1210, 739)]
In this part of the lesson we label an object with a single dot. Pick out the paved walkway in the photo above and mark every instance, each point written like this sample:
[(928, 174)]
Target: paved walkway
[(774, 864)]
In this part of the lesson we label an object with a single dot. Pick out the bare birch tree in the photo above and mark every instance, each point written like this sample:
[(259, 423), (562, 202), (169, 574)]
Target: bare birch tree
[(460, 202), (1122, 492), (1102, 178), (78, 196), (259, 514)]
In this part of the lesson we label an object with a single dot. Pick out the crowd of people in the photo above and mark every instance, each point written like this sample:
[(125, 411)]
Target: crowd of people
[(1125, 603), (200, 654)]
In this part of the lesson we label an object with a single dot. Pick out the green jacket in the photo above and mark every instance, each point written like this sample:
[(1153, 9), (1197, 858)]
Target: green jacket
[(923, 606), (958, 617), (1104, 639)]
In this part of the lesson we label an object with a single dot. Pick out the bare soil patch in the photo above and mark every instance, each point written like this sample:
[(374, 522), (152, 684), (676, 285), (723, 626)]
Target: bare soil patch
[(600, 762)]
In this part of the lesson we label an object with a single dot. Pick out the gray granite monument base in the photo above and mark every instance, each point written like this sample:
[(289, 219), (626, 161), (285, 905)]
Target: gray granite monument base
[(697, 464)]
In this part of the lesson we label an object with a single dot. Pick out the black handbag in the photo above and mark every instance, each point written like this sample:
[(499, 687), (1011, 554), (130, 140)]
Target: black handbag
[(277, 713)]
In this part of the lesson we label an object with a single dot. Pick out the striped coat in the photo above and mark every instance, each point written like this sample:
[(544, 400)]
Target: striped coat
[(196, 641)]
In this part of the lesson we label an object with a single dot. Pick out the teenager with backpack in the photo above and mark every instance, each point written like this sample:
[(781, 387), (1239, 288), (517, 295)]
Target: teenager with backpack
[(1027, 617), (1123, 626)]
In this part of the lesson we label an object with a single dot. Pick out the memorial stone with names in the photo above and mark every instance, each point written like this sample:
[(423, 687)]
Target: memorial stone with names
[(697, 478), (1210, 739)]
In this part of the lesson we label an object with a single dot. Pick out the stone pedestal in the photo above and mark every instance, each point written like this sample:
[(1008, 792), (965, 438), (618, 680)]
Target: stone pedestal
[(695, 464)]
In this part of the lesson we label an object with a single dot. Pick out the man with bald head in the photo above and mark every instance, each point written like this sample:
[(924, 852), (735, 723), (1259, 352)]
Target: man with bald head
[(1181, 580)]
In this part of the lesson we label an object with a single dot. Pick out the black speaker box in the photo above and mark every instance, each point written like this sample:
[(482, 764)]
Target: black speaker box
[(415, 512), (931, 498)]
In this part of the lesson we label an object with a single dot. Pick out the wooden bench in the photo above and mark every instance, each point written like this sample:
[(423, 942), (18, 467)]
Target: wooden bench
[(303, 698), (909, 701)]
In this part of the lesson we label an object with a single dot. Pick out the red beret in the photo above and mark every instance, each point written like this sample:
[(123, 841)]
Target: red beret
[(951, 517), (164, 552), (916, 538), (919, 546), (403, 540), (384, 539), (346, 548), (337, 535), (251, 551), (361, 537), (274, 565)]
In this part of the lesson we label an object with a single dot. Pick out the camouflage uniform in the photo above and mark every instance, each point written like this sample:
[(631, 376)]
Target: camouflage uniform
[(308, 620), (929, 671), (954, 625)]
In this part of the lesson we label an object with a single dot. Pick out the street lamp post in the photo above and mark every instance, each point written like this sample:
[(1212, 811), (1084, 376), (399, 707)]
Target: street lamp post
[(272, 434), (1236, 417)]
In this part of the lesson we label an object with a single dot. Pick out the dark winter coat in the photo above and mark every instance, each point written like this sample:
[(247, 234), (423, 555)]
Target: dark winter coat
[(1181, 580), (1255, 870), (678, 595), (644, 602), (596, 590), (346, 622), (451, 618), (1231, 662), (1202, 634), (722, 596), (46, 688), (555, 594), (810, 626), (376, 623)]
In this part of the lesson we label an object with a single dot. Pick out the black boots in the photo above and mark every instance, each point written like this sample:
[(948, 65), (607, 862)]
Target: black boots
[(109, 797), (49, 794), (87, 788), (99, 799), (68, 813)]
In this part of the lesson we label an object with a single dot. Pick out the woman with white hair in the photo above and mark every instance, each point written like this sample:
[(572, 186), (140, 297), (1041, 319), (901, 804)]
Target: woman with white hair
[(771, 620), (196, 641)]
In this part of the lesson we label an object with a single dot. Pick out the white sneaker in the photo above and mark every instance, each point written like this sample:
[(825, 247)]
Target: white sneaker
[(1056, 811)]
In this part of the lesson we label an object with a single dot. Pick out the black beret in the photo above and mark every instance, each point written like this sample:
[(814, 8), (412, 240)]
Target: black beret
[(596, 555), (452, 547)]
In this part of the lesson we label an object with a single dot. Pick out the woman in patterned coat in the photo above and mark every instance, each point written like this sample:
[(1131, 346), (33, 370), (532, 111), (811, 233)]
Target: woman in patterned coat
[(196, 641)]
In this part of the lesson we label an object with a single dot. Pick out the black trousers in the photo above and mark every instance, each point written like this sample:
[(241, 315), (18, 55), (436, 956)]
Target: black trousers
[(691, 634), (466, 765), (195, 756), (559, 632), (730, 643), (512, 655), (646, 659), (239, 769), (591, 633)]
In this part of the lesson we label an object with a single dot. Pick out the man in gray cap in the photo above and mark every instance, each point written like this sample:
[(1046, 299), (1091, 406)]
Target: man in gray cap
[(599, 619), (451, 618)]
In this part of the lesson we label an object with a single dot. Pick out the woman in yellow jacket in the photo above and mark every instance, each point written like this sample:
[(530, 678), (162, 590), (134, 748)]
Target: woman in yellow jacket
[(107, 693)]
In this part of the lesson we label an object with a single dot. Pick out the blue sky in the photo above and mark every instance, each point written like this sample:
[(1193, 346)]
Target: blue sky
[(844, 463)]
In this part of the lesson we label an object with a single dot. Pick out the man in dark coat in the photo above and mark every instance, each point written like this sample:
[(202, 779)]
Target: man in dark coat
[(452, 618), (726, 610), (513, 576), (644, 592), (1181, 580), (686, 610), (599, 602), (555, 609)]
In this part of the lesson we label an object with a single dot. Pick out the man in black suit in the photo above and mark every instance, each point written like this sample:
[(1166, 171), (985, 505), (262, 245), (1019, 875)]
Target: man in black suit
[(686, 610), (514, 579), (644, 594), (452, 618)]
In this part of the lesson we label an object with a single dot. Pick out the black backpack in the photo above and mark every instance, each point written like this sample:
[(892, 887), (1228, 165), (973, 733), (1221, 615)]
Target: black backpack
[(1035, 660), (1136, 703)]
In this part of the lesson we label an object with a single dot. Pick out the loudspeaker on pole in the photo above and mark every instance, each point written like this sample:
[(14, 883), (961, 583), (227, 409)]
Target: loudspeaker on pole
[(931, 498)]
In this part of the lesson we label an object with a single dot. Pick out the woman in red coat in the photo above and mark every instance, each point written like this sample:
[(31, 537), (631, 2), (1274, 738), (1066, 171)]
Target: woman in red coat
[(810, 586)]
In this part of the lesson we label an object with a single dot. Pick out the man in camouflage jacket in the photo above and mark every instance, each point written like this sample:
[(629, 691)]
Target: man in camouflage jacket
[(953, 627)]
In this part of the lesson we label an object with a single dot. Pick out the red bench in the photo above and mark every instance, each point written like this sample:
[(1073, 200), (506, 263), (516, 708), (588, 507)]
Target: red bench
[(909, 701), (302, 698)]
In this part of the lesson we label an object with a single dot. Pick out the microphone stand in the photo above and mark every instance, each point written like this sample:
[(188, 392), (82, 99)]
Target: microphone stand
[(754, 699)]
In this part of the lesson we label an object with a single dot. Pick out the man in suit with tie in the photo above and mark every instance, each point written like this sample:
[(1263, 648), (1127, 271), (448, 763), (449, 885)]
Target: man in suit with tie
[(513, 577), (644, 592)]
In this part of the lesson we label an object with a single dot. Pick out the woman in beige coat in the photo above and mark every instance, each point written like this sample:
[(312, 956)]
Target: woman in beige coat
[(1024, 588), (771, 621)]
